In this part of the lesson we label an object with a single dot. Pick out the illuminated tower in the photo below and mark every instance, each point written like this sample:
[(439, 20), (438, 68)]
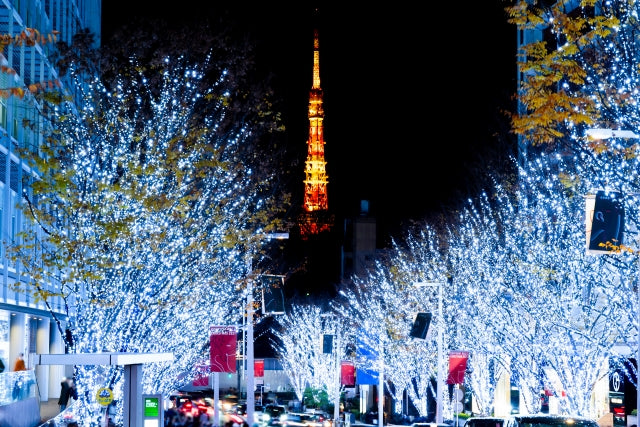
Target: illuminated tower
[(315, 218)]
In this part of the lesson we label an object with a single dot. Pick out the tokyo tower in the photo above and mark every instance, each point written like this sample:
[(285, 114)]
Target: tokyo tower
[(316, 217)]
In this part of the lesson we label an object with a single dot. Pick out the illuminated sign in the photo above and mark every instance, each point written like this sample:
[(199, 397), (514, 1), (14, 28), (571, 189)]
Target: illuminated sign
[(151, 407)]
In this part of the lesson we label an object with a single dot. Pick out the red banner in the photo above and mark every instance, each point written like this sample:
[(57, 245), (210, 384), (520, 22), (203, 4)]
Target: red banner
[(202, 376), (457, 366), (222, 351), (258, 368), (348, 374)]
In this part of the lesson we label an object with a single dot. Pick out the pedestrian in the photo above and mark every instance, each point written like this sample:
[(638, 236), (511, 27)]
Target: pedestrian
[(20, 383), (73, 391), (63, 400), (19, 364)]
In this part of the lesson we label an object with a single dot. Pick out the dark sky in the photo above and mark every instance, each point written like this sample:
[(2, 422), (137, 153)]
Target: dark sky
[(410, 93)]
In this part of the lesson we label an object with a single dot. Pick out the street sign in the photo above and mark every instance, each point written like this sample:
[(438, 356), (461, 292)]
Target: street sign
[(104, 396)]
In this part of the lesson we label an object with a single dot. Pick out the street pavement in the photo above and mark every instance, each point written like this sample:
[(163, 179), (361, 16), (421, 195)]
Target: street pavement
[(49, 409)]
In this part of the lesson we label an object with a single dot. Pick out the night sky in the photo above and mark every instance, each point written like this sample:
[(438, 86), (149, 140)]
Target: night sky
[(410, 95)]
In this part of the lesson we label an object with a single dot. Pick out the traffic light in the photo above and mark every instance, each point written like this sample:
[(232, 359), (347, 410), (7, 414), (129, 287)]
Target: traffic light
[(421, 326), (327, 344)]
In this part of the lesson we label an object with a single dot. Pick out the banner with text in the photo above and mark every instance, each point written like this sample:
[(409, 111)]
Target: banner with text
[(202, 375), (347, 374), (222, 348), (457, 366)]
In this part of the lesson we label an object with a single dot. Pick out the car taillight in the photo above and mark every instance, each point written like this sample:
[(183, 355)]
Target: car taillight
[(236, 419)]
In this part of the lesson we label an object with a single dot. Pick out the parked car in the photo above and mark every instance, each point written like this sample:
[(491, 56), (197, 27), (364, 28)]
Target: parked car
[(546, 420), (484, 422)]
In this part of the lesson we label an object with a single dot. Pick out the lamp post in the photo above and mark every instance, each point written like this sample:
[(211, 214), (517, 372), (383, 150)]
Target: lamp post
[(602, 133), (251, 398), (440, 379), (336, 406)]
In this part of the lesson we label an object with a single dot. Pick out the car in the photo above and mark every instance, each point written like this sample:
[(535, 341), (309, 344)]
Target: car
[(271, 413), (371, 417), (484, 422), (316, 419), (258, 413), (546, 420), (188, 407), (293, 419), (183, 404), (205, 405)]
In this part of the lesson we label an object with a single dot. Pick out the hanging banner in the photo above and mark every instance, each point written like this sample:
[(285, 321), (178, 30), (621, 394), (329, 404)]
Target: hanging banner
[(605, 221), (367, 356), (347, 374), (202, 376), (222, 348), (327, 344), (258, 368), (420, 326), (272, 294), (457, 366)]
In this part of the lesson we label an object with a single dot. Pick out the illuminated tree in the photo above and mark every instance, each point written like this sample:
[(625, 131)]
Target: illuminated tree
[(145, 202), (522, 293), (381, 305), (298, 342), (583, 75)]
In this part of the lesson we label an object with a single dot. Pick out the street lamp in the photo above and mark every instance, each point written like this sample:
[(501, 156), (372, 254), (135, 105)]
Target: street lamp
[(440, 380), (336, 407), (601, 133), (251, 398)]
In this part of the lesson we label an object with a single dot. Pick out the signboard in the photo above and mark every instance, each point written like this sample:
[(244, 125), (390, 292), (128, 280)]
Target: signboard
[(347, 374), (258, 368), (420, 326), (152, 410), (272, 294), (605, 221), (202, 375), (367, 357), (151, 406), (457, 366), (223, 344), (104, 396), (327, 344)]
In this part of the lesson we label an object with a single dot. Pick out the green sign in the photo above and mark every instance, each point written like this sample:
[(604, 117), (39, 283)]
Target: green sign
[(151, 407)]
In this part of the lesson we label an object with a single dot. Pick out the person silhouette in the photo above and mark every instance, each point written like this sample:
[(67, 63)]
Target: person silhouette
[(20, 383), (19, 364), (63, 400)]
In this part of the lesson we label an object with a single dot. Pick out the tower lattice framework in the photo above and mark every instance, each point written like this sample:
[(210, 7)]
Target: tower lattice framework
[(316, 217)]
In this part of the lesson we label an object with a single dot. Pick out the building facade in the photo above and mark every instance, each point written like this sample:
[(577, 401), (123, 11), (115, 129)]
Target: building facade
[(27, 325)]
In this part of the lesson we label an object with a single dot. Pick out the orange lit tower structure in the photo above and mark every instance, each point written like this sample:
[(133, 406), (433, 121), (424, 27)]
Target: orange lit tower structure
[(315, 218)]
